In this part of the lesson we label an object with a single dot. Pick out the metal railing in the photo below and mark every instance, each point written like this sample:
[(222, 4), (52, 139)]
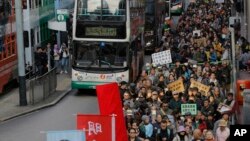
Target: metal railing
[(40, 88)]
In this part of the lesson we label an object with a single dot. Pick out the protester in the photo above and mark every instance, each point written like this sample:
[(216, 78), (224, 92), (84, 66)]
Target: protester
[(64, 57), (56, 58), (222, 132), (133, 135), (199, 74)]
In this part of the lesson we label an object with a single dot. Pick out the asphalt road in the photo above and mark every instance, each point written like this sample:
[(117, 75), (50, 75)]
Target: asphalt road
[(59, 117)]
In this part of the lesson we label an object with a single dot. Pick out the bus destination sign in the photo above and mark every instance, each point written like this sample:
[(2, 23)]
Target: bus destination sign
[(100, 31)]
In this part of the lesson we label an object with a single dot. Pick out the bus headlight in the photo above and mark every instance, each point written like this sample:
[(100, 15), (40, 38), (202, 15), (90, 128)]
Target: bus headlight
[(80, 78)]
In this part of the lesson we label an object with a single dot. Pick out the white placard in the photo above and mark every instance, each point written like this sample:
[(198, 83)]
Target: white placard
[(163, 57), (219, 1), (198, 32)]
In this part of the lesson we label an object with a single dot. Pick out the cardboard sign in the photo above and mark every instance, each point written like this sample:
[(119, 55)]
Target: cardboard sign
[(204, 89), (223, 108), (176, 86), (192, 108), (163, 57)]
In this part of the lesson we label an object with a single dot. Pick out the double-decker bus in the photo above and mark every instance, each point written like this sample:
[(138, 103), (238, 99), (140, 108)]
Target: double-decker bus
[(154, 19), (108, 41), (8, 52)]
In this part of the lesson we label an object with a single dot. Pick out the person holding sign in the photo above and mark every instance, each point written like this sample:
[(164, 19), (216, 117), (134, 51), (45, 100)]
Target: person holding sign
[(175, 103)]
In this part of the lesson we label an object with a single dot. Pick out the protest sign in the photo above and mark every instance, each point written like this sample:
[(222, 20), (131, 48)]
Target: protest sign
[(219, 1), (163, 57), (192, 108), (176, 86), (223, 108), (204, 89), (98, 127)]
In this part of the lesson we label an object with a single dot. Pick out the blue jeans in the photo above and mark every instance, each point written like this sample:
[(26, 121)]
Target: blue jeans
[(57, 65), (64, 63)]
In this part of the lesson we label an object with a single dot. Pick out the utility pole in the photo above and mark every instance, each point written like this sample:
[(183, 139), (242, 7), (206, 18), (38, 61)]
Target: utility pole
[(248, 19), (233, 67), (58, 6), (20, 50)]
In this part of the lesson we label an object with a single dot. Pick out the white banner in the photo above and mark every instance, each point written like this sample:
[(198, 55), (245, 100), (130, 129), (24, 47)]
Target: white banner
[(219, 1), (163, 57)]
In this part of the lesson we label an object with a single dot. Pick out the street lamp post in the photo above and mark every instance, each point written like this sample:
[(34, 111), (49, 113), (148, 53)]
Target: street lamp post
[(20, 51)]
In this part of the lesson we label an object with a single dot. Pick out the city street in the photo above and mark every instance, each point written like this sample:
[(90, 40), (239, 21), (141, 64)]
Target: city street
[(59, 117), (182, 69)]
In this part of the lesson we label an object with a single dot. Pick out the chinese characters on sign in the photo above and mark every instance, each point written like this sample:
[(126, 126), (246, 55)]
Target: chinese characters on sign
[(161, 58), (204, 89), (176, 86), (100, 31), (94, 128), (98, 127), (185, 108)]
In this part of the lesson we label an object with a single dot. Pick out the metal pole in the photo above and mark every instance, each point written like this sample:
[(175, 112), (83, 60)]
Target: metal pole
[(113, 126), (244, 20), (20, 49), (233, 65), (58, 6), (248, 19), (48, 56)]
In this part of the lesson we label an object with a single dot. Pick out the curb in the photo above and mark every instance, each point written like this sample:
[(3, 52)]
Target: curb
[(54, 102)]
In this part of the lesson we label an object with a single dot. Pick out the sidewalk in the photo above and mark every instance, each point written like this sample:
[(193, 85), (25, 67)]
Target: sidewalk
[(9, 103)]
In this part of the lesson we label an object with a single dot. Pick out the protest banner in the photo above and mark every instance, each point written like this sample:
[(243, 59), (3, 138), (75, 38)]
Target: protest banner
[(163, 57), (176, 86), (109, 101), (203, 89), (68, 135), (98, 127), (192, 108)]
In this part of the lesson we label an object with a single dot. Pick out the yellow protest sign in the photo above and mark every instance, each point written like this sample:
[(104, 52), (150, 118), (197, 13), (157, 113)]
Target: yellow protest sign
[(202, 88), (176, 86)]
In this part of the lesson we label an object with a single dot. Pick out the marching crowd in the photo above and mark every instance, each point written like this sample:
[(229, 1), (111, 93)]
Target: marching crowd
[(153, 110)]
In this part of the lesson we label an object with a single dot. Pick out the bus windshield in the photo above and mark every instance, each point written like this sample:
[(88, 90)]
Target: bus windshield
[(101, 10), (100, 55)]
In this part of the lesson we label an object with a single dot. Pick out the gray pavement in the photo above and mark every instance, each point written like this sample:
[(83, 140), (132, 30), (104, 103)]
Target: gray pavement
[(33, 127), (9, 103)]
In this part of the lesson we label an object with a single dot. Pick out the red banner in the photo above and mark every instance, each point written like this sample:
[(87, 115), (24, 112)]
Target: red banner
[(110, 103), (98, 127)]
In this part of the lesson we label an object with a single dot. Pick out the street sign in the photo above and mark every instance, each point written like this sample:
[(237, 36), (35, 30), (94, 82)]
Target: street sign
[(62, 15)]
